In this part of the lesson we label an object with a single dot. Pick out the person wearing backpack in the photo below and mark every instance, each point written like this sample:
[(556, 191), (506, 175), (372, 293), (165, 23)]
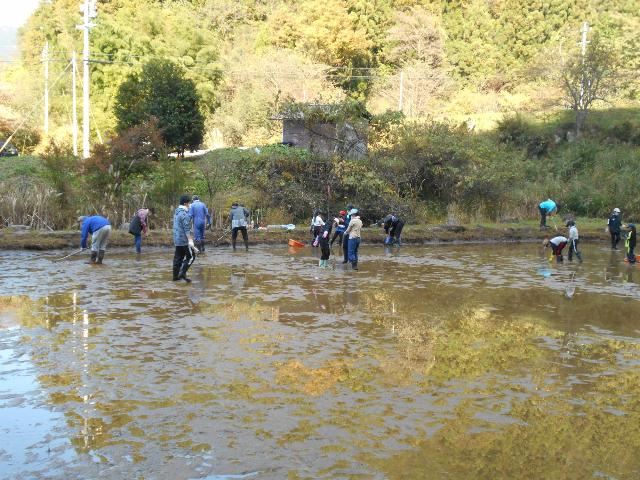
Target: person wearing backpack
[(140, 225)]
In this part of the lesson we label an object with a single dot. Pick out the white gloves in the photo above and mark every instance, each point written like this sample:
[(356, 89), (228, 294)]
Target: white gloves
[(192, 247)]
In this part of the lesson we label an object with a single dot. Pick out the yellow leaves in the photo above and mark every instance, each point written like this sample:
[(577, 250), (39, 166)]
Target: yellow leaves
[(311, 381)]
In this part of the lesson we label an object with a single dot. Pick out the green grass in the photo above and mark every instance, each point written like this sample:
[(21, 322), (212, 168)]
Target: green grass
[(21, 166)]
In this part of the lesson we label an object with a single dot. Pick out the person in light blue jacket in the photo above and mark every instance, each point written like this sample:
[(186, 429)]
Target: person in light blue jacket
[(547, 208), (183, 240)]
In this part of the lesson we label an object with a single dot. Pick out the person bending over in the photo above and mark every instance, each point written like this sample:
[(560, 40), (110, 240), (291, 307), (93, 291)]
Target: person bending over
[(393, 226), (339, 228), (547, 208), (557, 244), (100, 229)]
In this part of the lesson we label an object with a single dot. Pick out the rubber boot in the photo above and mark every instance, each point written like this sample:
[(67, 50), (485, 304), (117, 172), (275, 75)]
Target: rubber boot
[(246, 245), (233, 244), (100, 257), (559, 259), (354, 265), (200, 246), (94, 256), (321, 263), (183, 272)]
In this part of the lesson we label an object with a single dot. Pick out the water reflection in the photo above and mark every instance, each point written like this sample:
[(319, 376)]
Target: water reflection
[(461, 361)]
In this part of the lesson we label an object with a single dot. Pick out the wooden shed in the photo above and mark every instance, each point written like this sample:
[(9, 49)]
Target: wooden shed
[(347, 138)]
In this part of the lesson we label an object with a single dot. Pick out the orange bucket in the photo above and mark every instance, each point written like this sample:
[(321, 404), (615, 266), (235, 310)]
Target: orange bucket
[(295, 243)]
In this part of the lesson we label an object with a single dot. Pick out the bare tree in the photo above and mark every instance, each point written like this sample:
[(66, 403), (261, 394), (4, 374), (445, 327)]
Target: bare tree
[(588, 78)]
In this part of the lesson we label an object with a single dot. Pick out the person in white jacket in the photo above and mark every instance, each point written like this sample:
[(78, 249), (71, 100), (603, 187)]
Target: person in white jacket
[(316, 227), (573, 241), (557, 244)]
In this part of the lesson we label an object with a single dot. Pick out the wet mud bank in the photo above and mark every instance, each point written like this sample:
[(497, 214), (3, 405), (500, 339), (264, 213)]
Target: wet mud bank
[(11, 239)]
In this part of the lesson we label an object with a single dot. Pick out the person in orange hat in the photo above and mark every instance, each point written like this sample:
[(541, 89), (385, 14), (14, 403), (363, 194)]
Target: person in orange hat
[(338, 223)]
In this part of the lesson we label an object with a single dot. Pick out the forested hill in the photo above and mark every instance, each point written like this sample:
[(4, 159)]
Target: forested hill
[(458, 59)]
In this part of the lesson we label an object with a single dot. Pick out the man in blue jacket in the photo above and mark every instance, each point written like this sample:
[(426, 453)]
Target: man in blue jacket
[(100, 229), (201, 219), (547, 208), (183, 240)]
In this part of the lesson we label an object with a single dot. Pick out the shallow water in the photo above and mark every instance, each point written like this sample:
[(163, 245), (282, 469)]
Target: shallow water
[(430, 362)]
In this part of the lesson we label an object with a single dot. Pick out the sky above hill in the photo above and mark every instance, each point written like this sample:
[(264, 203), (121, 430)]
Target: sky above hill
[(16, 13)]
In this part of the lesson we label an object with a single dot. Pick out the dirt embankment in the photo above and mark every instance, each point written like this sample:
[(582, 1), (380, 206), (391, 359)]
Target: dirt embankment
[(16, 239)]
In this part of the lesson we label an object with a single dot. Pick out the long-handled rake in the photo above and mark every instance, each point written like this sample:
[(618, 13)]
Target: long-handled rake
[(225, 233), (70, 255)]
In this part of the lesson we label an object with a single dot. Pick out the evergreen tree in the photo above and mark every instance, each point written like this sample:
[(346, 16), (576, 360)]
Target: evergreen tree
[(161, 91)]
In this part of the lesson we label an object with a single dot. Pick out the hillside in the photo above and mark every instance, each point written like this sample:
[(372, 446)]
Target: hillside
[(462, 60)]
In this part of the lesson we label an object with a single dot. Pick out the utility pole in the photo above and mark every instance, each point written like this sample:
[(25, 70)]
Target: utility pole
[(585, 31), (74, 108), (45, 60), (401, 99), (88, 9)]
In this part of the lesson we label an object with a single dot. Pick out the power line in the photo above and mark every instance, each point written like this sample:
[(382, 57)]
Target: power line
[(35, 105)]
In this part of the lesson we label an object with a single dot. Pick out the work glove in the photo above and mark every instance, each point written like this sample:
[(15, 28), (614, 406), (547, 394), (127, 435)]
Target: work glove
[(325, 234), (193, 248)]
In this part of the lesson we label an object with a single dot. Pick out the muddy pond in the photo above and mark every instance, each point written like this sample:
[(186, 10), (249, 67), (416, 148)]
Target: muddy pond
[(452, 362)]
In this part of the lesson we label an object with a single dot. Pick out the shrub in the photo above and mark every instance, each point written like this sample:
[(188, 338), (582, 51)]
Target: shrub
[(515, 130)]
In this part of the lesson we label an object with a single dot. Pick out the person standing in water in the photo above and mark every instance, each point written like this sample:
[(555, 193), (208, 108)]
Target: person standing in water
[(325, 247), (573, 241), (353, 232), (238, 217), (630, 243), (614, 225), (316, 227), (345, 239), (183, 240), (547, 208), (557, 244), (339, 228), (100, 229), (201, 219), (140, 225)]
